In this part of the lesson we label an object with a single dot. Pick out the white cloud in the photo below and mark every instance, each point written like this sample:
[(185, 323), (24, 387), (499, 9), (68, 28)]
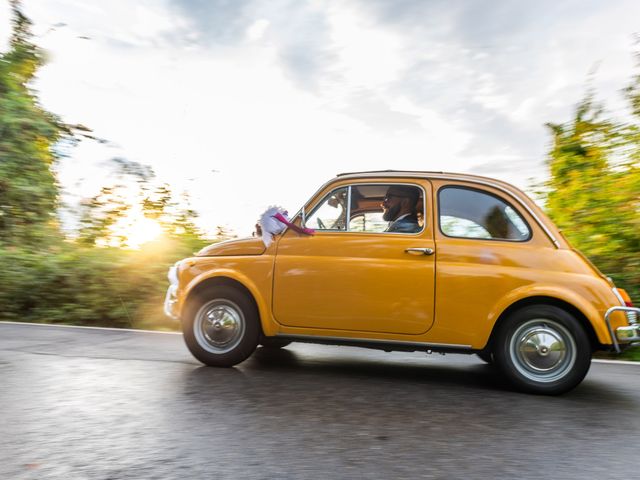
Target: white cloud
[(367, 56), (257, 30)]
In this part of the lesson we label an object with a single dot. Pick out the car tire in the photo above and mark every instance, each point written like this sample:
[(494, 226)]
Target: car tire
[(486, 357), (273, 343), (221, 327), (542, 349)]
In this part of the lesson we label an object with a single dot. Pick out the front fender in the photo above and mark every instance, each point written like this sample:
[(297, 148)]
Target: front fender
[(262, 303)]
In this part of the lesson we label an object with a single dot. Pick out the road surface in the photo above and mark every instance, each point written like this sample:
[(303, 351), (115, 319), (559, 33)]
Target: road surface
[(105, 404)]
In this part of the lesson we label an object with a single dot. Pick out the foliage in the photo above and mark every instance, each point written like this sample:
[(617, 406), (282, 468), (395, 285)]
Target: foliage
[(28, 188), (99, 216), (593, 192), (80, 285), (28, 138), (104, 217)]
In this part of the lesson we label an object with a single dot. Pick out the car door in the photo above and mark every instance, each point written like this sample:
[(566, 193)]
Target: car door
[(351, 275)]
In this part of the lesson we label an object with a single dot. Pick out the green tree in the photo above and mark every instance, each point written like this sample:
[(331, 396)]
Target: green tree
[(99, 214), (134, 194), (28, 135), (593, 191)]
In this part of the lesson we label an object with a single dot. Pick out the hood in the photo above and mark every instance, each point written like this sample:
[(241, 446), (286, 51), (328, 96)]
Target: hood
[(243, 246)]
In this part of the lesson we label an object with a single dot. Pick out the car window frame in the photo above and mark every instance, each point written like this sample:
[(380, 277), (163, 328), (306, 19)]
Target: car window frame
[(486, 192), (348, 219)]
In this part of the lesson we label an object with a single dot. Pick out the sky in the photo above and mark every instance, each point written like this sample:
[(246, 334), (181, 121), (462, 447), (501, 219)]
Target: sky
[(250, 103)]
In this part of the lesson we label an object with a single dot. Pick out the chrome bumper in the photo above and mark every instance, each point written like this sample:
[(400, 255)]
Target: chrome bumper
[(171, 298), (629, 334), (170, 302)]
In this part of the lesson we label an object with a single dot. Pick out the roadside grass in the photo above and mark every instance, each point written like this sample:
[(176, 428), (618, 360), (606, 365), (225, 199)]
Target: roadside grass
[(632, 354)]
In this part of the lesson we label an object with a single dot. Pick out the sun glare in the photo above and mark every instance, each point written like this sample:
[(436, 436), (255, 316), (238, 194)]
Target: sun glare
[(142, 231)]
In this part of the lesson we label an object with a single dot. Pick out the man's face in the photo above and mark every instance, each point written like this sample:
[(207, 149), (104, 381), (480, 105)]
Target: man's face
[(391, 206)]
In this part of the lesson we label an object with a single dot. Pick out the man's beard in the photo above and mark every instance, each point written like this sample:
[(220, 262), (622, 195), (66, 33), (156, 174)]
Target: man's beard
[(391, 214)]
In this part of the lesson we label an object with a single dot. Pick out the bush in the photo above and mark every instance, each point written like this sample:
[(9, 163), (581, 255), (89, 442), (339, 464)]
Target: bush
[(77, 285)]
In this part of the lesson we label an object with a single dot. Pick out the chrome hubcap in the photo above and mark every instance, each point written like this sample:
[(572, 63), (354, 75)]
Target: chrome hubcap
[(543, 350), (219, 326)]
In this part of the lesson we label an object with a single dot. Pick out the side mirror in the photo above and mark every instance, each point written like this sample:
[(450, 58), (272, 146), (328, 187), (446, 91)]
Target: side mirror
[(304, 218)]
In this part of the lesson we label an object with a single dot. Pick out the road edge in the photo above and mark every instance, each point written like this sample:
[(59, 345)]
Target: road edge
[(113, 329), (52, 325)]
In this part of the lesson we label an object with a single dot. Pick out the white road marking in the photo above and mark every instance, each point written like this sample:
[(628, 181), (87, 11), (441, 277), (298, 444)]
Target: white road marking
[(91, 328)]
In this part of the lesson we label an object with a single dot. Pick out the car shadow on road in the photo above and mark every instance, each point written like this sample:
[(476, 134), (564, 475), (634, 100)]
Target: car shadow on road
[(461, 371), (417, 371), (287, 372)]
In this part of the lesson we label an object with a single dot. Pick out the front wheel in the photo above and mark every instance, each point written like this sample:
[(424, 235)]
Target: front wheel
[(221, 327), (543, 349)]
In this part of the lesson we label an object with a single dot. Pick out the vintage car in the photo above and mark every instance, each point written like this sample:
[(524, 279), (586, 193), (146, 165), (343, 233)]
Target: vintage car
[(477, 268)]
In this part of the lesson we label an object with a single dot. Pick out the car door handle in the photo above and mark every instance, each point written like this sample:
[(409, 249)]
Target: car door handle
[(420, 251)]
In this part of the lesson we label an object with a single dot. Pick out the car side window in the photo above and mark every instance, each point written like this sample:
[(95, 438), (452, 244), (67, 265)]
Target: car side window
[(469, 213), (371, 208), (331, 213), (386, 208)]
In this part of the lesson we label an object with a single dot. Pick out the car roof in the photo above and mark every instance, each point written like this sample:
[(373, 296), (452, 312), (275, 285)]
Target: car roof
[(428, 174)]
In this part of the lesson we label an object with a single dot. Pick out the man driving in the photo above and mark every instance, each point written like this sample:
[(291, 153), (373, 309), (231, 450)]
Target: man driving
[(399, 207)]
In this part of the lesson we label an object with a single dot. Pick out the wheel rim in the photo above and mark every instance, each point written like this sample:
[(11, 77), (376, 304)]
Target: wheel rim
[(219, 326), (543, 350)]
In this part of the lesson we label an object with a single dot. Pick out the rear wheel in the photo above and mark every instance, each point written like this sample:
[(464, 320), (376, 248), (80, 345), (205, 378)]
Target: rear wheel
[(543, 349), (221, 327)]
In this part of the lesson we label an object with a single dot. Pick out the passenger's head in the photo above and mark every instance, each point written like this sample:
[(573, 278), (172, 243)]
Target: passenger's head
[(399, 200)]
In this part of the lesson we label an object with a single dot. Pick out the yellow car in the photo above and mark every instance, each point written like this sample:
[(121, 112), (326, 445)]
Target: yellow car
[(411, 261)]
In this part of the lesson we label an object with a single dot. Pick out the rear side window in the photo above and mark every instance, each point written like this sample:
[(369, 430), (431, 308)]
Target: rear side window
[(471, 213)]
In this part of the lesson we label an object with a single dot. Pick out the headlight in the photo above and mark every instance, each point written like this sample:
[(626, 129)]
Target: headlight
[(172, 275)]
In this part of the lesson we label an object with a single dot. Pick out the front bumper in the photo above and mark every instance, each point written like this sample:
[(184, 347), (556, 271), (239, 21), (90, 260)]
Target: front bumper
[(171, 298), (629, 334), (171, 302)]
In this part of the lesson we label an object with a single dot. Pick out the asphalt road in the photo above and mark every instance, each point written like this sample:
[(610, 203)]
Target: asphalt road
[(104, 404)]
